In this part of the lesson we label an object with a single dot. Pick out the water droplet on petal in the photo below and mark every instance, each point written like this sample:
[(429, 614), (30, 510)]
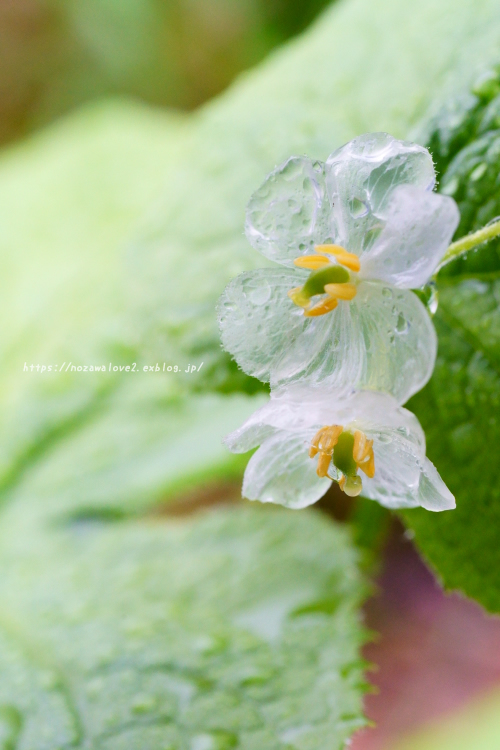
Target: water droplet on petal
[(402, 324), (358, 208)]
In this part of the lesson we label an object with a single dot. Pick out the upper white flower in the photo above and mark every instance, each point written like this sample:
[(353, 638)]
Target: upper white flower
[(308, 438), (353, 236)]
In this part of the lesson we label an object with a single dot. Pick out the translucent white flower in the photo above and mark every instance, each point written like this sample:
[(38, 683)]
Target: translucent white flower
[(352, 236), (309, 438)]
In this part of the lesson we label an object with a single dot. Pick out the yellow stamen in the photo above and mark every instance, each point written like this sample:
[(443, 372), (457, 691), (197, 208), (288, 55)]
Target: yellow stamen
[(323, 464), (314, 447), (324, 442), (326, 305), (311, 262), (369, 467), (343, 256), (362, 453), (329, 438), (344, 291)]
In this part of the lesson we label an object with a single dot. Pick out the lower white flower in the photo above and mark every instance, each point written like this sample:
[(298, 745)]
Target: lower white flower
[(311, 437)]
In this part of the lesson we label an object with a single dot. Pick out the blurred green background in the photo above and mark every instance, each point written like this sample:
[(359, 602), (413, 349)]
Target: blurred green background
[(56, 54)]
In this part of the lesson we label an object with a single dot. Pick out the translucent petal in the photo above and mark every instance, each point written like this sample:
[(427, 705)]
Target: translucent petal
[(360, 179), (258, 320), (398, 459), (382, 340), (282, 472), (251, 434), (288, 214), (433, 494), (298, 407), (419, 228)]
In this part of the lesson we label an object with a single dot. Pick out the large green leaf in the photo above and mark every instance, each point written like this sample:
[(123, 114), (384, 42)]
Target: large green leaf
[(238, 629), (68, 201)]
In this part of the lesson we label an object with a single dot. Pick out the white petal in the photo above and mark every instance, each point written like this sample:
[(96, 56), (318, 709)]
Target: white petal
[(418, 230), (374, 411), (433, 494), (382, 340), (398, 458), (251, 434), (282, 472), (361, 177), (288, 214), (258, 320)]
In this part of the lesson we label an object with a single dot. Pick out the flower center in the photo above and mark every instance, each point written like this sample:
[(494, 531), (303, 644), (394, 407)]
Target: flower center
[(330, 280), (348, 451)]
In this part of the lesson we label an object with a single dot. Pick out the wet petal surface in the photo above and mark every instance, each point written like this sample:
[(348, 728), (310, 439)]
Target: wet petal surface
[(258, 320), (382, 340), (361, 177), (419, 228), (282, 472), (288, 214)]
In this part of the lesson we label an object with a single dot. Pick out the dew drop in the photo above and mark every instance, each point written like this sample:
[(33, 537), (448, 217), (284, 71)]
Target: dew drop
[(402, 324), (383, 438), (358, 208), (433, 299), (260, 295)]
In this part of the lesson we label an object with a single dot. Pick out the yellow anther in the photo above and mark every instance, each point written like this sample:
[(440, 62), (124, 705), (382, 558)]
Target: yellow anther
[(326, 305), (323, 443), (343, 256), (362, 453), (314, 447), (329, 438), (341, 291), (323, 464), (311, 262)]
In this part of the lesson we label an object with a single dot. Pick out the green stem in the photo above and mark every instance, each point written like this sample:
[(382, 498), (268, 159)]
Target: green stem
[(464, 244)]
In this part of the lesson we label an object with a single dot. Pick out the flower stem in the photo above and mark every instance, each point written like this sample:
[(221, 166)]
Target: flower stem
[(470, 241)]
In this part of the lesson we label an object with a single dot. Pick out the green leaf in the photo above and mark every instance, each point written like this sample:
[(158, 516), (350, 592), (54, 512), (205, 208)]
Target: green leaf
[(146, 445), (68, 200), (92, 440), (236, 629), (459, 409)]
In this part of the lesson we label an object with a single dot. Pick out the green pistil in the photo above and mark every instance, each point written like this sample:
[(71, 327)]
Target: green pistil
[(343, 455), (315, 284)]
